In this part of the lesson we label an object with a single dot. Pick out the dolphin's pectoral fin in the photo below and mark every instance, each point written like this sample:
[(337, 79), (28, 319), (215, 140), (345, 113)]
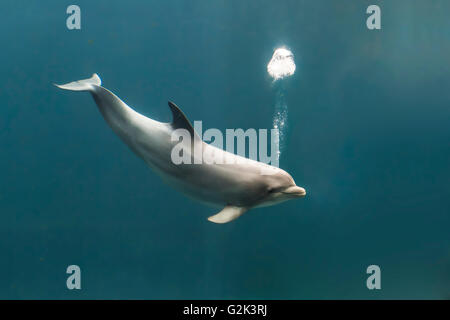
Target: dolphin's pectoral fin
[(180, 121), (229, 213)]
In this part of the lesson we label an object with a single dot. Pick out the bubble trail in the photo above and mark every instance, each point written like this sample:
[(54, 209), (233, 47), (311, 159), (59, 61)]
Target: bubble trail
[(280, 118), (281, 65)]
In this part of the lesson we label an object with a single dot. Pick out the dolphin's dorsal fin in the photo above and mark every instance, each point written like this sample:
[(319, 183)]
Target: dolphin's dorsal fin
[(180, 121), (229, 213)]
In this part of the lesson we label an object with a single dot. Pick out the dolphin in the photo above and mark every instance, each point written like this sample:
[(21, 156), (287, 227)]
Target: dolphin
[(235, 186)]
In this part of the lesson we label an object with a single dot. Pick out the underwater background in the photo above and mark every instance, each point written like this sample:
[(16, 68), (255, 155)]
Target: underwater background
[(368, 138)]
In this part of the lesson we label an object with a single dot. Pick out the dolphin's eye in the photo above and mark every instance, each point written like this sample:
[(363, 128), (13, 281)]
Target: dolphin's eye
[(272, 190)]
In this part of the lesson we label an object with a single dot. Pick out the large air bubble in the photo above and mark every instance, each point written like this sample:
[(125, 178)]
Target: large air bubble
[(282, 64)]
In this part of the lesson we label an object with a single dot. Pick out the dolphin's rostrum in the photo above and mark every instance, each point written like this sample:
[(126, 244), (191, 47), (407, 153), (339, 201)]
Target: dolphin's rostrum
[(235, 187)]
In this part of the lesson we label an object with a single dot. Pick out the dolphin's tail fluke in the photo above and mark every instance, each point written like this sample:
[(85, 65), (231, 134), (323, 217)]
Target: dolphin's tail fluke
[(82, 85)]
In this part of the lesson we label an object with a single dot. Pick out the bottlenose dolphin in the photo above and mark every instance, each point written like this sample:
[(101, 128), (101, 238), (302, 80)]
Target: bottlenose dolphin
[(235, 187)]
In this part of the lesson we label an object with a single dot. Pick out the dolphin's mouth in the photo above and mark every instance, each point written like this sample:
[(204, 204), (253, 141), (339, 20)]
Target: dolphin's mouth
[(295, 191)]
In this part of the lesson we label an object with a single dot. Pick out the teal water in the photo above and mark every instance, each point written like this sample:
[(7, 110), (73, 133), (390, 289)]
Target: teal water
[(368, 138)]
